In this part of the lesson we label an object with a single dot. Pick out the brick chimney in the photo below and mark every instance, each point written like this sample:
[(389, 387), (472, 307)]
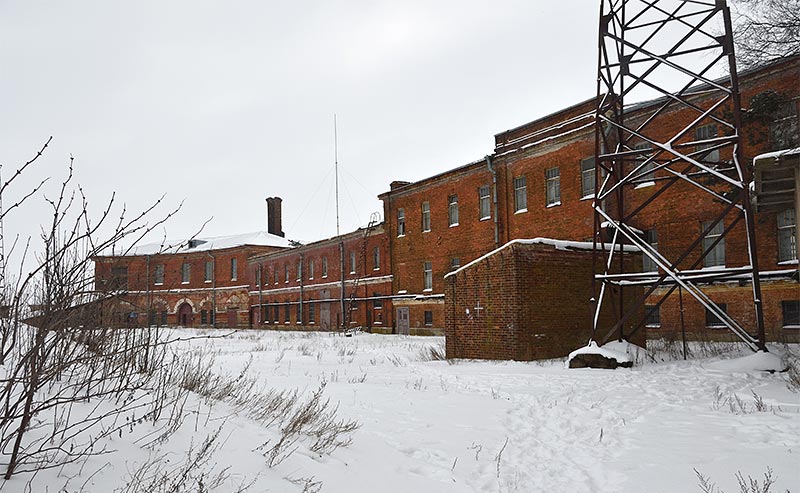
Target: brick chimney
[(274, 216)]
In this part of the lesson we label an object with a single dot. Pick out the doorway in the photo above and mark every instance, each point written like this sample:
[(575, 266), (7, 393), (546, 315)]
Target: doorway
[(185, 315), (402, 320)]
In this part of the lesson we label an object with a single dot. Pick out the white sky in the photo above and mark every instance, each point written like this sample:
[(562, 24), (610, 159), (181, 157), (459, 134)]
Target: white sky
[(223, 104)]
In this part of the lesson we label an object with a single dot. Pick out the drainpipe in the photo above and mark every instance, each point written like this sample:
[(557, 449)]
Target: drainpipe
[(302, 274), (490, 165), (213, 289), (260, 294)]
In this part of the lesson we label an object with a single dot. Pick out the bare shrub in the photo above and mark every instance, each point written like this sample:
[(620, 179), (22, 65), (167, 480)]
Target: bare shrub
[(749, 485), (433, 353)]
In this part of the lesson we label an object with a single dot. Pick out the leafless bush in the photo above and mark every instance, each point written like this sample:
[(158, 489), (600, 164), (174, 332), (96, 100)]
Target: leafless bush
[(749, 485), (315, 419), (433, 353)]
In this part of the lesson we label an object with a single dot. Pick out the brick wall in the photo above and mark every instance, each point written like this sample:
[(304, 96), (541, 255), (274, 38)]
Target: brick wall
[(524, 302)]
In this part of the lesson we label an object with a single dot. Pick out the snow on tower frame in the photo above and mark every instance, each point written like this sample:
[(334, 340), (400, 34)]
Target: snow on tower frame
[(643, 44)]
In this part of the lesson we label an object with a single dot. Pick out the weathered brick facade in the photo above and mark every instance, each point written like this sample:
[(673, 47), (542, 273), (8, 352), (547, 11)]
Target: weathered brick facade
[(527, 300), (555, 147), (301, 288), (202, 284)]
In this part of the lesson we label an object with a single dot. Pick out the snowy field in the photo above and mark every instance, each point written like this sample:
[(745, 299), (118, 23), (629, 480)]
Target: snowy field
[(430, 426)]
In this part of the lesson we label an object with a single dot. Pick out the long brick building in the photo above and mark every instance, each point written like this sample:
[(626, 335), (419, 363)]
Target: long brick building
[(538, 182)]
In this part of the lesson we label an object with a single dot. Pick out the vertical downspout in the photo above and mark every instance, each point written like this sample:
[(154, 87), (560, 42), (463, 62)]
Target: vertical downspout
[(341, 274), (492, 169), (213, 289), (261, 316), (302, 274)]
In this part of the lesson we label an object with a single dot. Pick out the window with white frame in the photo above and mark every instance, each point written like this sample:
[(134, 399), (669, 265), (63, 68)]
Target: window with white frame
[(299, 270), (651, 238), (401, 222), (484, 203), (352, 261), (427, 276), (791, 314), (452, 210), (159, 274), (311, 268), (520, 194), (286, 273), (234, 269), (324, 266), (712, 320), (209, 273), (455, 263), (376, 258), (186, 272), (787, 236), (647, 175), (652, 316), (553, 186), (587, 178), (426, 216), (706, 132), (716, 256)]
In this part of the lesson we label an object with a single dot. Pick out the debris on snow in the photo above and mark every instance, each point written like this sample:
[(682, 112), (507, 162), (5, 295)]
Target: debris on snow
[(760, 361), (594, 356)]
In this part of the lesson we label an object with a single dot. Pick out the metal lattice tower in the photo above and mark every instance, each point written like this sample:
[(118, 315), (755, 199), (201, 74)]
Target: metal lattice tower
[(668, 53)]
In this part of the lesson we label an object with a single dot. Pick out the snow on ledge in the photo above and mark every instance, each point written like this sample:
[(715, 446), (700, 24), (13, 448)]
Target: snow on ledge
[(760, 361), (777, 155), (558, 244)]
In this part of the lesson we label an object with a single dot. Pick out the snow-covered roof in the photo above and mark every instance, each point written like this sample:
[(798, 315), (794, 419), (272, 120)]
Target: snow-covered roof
[(202, 244), (558, 244), (777, 155)]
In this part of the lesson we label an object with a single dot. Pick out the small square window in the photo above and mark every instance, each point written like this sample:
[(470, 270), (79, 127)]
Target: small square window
[(712, 321), (428, 318), (791, 314), (652, 316)]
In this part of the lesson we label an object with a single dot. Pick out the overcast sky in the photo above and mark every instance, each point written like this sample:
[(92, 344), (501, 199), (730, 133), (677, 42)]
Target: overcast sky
[(222, 104)]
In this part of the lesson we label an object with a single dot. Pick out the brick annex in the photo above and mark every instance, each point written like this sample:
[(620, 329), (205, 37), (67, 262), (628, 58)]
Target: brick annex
[(504, 298)]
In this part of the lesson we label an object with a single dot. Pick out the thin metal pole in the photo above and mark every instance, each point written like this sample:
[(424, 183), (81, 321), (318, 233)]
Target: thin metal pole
[(683, 325), (341, 241)]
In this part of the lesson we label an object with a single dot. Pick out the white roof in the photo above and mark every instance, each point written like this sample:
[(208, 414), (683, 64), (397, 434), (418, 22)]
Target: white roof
[(199, 244)]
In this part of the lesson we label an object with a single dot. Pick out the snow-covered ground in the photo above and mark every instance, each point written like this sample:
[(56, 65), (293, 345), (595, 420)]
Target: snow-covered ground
[(433, 426)]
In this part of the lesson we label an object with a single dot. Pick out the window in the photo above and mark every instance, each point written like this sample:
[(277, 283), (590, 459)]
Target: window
[(299, 270), (257, 275), (715, 257), (324, 266), (712, 321), (650, 176), (203, 317), (520, 194), (352, 261), (186, 272), (553, 186), (286, 310), (427, 275), (791, 314), (455, 263), (651, 238), (452, 210), (234, 269), (376, 258), (484, 204), (286, 273), (164, 317), (159, 274), (311, 268), (298, 315), (377, 303), (652, 316), (276, 313), (119, 277), (787, 237), (706, 132), (209, 273), (265, 313), (275, 274), (428, 318), (784, 129), (312, 315), (401, 222), (426, 216), (587, 177)]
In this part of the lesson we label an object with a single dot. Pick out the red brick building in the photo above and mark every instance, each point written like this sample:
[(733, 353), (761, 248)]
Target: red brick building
[(539, 183), (195, 283), (307, 286)]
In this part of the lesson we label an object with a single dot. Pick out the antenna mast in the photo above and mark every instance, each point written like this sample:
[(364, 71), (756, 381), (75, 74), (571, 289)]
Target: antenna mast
[(341, 241)]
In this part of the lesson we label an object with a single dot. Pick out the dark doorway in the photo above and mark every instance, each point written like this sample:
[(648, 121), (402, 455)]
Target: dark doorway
[(233, 317), (185, 315)]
